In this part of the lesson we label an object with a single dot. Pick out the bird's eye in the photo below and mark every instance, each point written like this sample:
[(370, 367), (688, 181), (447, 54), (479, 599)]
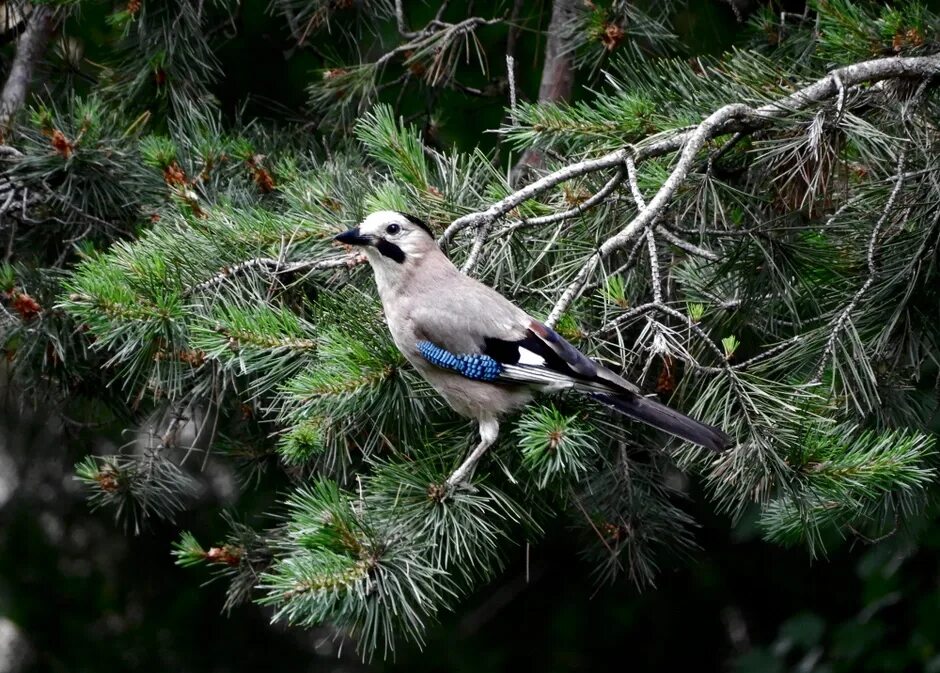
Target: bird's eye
[(392, 229)]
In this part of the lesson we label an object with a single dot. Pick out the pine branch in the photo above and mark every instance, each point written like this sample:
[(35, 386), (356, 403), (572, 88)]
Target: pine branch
[(653, 210), (774, 205), (845, 314), (275, 267), (595, 199), (731, 119)]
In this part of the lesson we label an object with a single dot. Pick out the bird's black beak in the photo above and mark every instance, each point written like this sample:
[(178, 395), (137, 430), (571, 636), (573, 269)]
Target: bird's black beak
[(353, 237)]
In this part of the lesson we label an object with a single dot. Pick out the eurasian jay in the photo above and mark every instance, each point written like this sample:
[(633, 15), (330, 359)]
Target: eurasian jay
[(482, 353)]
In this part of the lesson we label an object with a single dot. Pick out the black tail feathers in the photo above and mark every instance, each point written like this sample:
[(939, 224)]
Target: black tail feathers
[(669, 420)]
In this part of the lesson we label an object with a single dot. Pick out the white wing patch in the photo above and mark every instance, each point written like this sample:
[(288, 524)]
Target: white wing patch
[(527, 357)]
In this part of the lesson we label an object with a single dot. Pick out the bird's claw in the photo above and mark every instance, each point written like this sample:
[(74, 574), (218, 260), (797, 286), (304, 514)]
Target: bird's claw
[(452, 485)]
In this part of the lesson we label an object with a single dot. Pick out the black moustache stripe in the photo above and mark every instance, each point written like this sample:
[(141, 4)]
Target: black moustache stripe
[(390, 250)]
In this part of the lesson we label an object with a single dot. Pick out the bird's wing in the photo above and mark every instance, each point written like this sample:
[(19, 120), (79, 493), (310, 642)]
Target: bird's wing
[(543, 356), (460, 316), (481, 322), (466, 318), (497, 342)]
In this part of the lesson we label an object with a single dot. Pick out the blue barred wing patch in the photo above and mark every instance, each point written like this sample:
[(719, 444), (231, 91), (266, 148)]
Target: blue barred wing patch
[(477, 367)]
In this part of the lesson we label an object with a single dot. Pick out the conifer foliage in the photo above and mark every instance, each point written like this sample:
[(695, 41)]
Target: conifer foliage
[(753, 237)]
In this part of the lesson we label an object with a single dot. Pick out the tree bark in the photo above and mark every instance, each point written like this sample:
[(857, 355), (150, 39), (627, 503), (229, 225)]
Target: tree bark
[(30, 46), (557, 81), (558, 72)]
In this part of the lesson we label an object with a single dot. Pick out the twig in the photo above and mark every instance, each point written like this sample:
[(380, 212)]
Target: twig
[(630, 261), (503, 206), (692, 325), (840, 100), (712, 231), (634, 184), (659, 306), (587, 517), (577, 210), (8, 255), (650, 239), (723, 150), (846, 312), (477, 248), (425, 37), (769, 353), (276, 267), (400, 19), (511, 76), (683, 244), (276, 271), (440, 11), (626, 316), (637, 311), (655, 279)]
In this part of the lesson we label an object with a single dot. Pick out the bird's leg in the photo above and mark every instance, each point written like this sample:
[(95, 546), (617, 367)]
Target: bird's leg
[(489, 431)]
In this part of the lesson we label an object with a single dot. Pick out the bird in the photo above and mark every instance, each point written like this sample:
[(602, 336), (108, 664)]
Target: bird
[(482, 353)]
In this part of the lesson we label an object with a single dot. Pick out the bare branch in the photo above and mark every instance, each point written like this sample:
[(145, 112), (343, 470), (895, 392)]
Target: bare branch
[(626, 316), (576, 211), (634, 185), (685, 245), (660, 307), (400, 19), (477, 248), (511, 75), (648, 215), (916, 67), (723, 150), (692, 325), (435, 31), (503, 206), (650, 239), (846, 312), (655, 279)]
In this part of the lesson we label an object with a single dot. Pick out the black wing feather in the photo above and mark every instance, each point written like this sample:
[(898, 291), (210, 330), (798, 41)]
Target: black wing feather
[(565, 366), (544, 342), (510, 352)]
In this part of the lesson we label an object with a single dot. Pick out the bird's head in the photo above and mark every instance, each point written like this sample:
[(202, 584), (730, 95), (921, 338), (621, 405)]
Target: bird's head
[(391, 240)]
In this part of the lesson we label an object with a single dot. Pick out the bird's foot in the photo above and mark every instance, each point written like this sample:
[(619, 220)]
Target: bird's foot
[(460, 478), (452, 486)]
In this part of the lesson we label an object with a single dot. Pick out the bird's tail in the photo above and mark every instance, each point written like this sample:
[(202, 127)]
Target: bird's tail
[(669, 420)]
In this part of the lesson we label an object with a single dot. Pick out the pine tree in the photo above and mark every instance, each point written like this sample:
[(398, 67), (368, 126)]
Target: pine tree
[(753, 237)]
